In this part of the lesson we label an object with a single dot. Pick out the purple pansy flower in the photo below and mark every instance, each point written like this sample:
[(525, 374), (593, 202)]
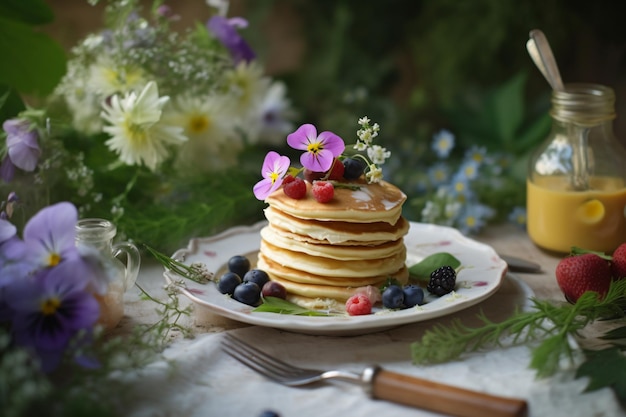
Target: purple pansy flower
[(274, 169), (49, 309), (7, 230), (50, 235), (225, 30), (320, 150), (7, 169), (22, 144)]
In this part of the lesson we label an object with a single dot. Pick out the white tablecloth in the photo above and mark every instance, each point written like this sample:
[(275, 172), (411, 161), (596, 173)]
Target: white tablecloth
[(198, 379)]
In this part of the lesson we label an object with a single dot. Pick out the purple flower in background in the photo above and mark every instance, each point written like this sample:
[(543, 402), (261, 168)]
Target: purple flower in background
[(7, 169), (226, 31), (22, 144), (50, 235), (274, 169), (7, 230), (320, 150), (50, 308)]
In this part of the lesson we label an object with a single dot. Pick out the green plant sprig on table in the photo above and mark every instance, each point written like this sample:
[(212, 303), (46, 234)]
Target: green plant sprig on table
[(548, 323), (196, 271)]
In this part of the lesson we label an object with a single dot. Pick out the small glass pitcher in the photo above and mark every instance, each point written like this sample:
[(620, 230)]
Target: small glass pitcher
[(98, 234)]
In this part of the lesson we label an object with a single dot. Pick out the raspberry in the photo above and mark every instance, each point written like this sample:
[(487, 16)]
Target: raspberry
[(442, 281), (323, 191), (359, 305), (294, 187), (336, 171)]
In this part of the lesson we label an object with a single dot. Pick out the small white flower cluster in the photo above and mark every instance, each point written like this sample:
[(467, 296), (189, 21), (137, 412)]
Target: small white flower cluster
[(377, 154)]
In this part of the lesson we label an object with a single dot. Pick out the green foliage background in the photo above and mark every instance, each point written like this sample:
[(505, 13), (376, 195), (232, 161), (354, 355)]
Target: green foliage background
[(417, 66), (414, 66)]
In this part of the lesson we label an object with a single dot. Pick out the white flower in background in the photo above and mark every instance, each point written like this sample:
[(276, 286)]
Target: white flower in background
[(374, 174), (220, 5), (208, 125), (138, 133), (84, 106), (247, 86), (377, 154), (271, 122), (107, 78)]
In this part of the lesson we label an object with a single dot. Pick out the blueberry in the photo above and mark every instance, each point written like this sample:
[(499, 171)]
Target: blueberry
[(257, 276), (413, 295), (269, 413), (247, 293), (228, 282), (239, 265), (353, 168), (393, 297)]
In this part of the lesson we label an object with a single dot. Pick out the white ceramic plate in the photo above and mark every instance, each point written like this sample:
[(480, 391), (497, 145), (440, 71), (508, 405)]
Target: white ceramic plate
[(482, 274)]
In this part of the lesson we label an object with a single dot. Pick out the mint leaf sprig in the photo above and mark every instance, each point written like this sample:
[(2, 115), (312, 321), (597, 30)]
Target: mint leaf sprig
[(546, 322), (280, 306)]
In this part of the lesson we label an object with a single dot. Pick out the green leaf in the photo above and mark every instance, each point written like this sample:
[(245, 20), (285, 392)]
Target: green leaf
[(426, 266), (34, 12), (10, 103), (615, 334), (280, 306), (605, 368), (33, 63), (507, 107), (545, 358), (580, 251)]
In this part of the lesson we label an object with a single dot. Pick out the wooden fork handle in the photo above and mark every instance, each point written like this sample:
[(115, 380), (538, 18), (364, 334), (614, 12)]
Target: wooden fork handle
[(443, 398)]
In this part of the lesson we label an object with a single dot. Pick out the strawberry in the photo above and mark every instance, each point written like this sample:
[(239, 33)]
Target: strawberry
[(578, 274), (359, 305), (323, 191), (618, 264), (336, 171)]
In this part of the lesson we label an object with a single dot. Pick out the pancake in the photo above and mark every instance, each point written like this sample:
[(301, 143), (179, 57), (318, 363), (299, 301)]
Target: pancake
[(332, 267), (298, 276), (369, 203), (323, 253), (291, 241), (329, 291), (337, 232)]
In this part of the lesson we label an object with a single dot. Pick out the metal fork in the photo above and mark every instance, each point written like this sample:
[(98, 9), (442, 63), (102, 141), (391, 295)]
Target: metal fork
[(381, 384)]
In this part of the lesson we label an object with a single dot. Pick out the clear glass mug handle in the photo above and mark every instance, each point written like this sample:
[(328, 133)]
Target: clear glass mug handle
[(133, 261)]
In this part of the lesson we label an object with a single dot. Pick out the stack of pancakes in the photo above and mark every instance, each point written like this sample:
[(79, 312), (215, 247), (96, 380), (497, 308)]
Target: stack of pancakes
[(324, 253)]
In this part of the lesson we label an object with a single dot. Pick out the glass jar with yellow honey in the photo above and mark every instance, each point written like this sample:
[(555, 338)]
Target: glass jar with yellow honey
[(576, 185)]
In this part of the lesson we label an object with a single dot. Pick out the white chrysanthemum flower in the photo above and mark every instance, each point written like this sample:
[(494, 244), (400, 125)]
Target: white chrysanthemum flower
[(248, 87), (138, 133), (208, 124), (377, 154), (106, 78)]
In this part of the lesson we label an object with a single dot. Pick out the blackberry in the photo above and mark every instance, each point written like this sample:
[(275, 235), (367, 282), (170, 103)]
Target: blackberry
[(442, 281)]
